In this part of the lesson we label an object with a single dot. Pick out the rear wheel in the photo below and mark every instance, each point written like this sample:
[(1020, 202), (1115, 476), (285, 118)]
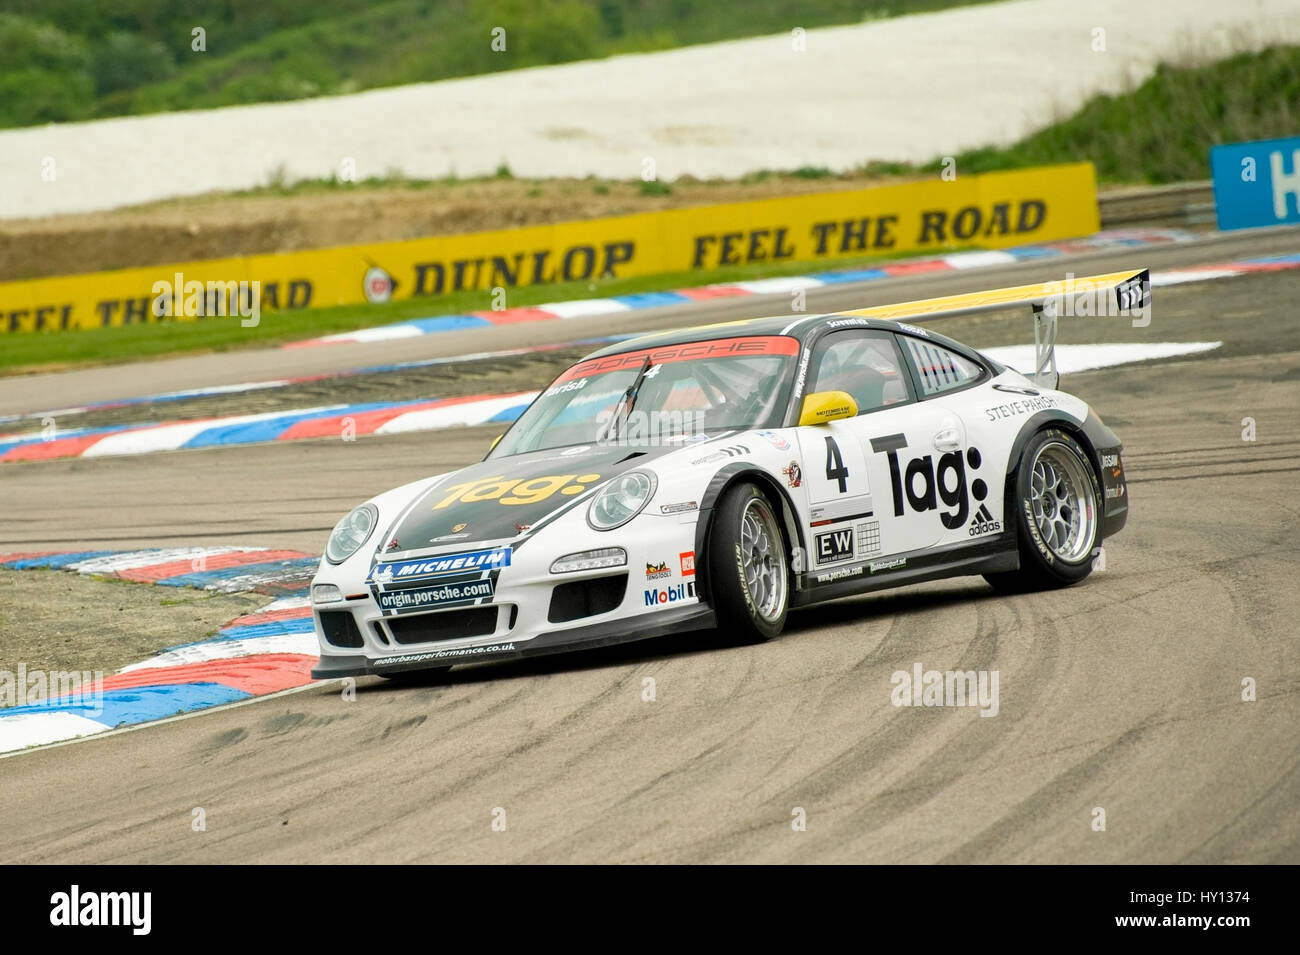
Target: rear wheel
[(749, 576), (1057, 506)]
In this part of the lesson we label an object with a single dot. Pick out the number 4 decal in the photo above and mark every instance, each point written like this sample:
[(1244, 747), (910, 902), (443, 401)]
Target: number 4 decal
[(845, 483), (835, 469)]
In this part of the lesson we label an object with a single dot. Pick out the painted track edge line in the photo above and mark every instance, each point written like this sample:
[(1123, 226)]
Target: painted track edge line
[(204, 711)]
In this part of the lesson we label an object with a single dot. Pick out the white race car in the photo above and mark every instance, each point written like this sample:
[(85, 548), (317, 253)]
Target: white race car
[(719, 476)]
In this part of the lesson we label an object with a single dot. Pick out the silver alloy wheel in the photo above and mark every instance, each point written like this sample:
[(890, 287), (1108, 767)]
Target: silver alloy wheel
[(1060, 493), (763, 559)]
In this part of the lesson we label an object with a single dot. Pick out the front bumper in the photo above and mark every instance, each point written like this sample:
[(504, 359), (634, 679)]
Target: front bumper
[(643, 627), (1114, 490), (527, 614)]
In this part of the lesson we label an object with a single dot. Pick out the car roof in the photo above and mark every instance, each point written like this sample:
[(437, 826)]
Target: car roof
[(804, 328), (797, 326)]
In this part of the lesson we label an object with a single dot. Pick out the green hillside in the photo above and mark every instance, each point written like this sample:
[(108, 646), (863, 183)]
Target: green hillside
[(1163, 130), (81, 59)]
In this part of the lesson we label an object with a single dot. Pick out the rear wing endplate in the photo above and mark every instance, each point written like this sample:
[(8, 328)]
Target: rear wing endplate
[(1115, 294)]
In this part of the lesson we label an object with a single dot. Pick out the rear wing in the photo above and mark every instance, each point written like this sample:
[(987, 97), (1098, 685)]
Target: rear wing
[(1115, 294)]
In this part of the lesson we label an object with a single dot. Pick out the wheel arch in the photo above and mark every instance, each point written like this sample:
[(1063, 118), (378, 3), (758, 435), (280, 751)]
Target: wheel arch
[(1036, 424), (728, 477)]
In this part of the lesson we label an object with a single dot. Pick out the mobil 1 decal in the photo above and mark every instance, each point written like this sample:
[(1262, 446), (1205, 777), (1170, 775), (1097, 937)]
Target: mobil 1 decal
[(944, 484)]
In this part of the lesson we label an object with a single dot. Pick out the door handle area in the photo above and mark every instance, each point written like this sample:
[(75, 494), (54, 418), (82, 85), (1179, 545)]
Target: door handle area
[(949, 439)]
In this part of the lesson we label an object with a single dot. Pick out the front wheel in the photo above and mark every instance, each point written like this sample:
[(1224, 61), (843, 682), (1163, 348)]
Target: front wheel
[(749, 575), (1057, 507)]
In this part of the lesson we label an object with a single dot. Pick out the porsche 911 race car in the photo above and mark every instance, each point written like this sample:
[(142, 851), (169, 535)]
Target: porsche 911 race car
[(717, 477)]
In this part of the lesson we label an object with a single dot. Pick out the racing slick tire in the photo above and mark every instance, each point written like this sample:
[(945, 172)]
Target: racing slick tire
[(749, 575), (1057, 508)]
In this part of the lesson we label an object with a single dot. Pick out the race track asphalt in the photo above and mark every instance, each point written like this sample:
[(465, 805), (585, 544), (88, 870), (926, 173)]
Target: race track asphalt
[(1124, 693)]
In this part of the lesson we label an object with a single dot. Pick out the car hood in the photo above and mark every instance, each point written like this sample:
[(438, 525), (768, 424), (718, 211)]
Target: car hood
[(505, 498)]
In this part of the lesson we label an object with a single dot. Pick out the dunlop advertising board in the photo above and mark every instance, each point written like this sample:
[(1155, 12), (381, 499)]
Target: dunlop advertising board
[(991, 211)]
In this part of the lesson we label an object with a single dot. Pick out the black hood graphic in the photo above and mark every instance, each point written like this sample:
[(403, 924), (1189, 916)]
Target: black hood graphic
[(505, 498)]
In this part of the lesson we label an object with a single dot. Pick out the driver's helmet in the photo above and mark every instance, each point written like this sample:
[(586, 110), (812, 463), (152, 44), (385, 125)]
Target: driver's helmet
[(864, 383)]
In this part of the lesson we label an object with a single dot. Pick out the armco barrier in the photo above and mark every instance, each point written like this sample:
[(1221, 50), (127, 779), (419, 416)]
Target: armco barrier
[(1181, 205), (995, 210)]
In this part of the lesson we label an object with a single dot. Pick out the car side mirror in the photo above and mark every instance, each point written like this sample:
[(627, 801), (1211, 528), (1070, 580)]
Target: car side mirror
[(823, 406)]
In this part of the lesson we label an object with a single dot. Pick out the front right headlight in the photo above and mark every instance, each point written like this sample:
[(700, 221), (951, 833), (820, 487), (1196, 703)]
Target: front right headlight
[(350, 533)]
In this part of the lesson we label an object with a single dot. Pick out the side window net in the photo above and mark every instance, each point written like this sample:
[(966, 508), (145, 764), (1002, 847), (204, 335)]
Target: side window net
[(940, 369)]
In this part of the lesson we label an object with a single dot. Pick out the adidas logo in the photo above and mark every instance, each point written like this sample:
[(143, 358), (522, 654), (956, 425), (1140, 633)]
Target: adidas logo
[(983, 523)]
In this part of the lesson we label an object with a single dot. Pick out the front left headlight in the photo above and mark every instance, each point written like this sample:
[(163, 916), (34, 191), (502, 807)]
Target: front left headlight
[(350, 533), (620, 500)]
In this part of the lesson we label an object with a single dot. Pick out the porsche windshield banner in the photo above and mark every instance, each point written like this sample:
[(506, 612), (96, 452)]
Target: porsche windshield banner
[(994, 210)]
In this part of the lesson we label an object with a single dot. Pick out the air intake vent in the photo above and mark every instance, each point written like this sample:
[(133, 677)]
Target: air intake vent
[(586, 598), (340, 629), (445, 625)]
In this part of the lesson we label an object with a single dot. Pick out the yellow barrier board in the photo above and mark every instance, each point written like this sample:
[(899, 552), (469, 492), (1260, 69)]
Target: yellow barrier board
[(990, 211)]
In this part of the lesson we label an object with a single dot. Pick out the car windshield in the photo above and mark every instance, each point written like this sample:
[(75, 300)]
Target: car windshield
[(670, 394)]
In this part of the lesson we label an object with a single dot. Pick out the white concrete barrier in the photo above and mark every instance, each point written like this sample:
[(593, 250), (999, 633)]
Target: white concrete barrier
[(910, 88)]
